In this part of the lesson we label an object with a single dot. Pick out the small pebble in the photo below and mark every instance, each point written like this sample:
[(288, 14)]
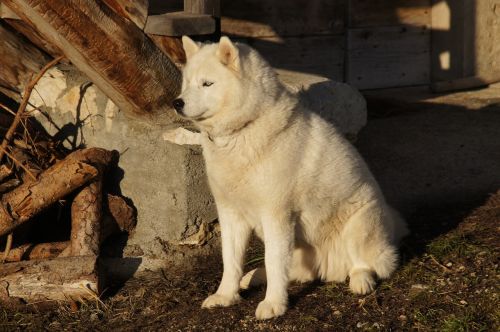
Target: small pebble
[(450, 264), (463, 302), (337, 313), (403, 317)]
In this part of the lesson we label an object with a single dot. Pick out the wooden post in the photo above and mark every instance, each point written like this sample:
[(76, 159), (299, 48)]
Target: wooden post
[(209, 7), (86, 215), (116, 55)]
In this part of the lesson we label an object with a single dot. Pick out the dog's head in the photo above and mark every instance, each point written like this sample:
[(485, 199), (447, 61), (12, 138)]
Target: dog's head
[(211, 80)]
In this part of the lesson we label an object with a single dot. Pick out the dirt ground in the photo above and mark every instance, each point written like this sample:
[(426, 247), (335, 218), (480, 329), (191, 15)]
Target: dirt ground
[(448, 280)]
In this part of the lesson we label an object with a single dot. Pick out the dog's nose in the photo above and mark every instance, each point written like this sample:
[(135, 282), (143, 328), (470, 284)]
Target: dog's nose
[(178, 104)]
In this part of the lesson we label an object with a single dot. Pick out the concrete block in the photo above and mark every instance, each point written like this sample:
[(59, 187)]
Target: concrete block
[(165, 181)]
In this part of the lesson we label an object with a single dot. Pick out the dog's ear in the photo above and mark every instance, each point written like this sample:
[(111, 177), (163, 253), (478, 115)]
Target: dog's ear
[(228, 53), (190, 47)]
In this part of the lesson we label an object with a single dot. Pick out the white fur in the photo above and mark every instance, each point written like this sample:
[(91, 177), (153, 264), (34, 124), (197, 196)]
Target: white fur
[(280, 170)]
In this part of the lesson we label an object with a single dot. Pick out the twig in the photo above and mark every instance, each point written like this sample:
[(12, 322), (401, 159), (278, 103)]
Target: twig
[(445, 268), (24, 103), (5, 108), (8, 246), (18, 163), (13, 128)]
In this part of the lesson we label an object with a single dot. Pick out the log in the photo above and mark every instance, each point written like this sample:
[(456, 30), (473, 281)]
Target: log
[(116, 55), (59, 279), (86, 215), (36, 251), (80, 167), (19, 60), (118, 217)]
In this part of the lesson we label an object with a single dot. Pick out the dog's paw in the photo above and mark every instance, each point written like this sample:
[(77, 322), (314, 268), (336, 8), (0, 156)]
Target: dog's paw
[(268, 309), (362, 282), (218, 300)]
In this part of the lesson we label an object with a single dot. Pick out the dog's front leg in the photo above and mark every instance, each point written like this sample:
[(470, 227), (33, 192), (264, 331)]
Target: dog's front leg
[(235, 234), (278, 240)]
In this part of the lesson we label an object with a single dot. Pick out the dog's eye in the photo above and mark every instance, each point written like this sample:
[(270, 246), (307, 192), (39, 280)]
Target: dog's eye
[(207, 83)]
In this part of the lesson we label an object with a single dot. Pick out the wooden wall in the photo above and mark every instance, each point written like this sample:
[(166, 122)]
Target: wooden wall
[(296, 35), (368, 43), (388, 43)]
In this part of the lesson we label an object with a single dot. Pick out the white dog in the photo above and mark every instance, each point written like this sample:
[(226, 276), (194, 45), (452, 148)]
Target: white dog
[(280, 170)]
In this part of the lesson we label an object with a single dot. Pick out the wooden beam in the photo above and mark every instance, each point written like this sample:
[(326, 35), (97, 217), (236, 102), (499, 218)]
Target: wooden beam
[(134, 10), (197, 18), (29, 32), (5, 12), (180, 23), (19, 59), (117, 56)]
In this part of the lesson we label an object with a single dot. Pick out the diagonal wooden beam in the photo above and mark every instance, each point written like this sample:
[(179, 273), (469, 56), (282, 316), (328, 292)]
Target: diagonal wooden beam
[(114, 53)]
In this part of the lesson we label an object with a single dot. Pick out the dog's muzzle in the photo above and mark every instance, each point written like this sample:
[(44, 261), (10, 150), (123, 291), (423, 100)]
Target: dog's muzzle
[(178, 104)]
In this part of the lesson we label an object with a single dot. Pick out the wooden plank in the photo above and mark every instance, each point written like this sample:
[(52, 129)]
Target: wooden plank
[(180, 23), (134, 10), (271, 18), (321, 55), (29, 32), (19, 59), (376, 13), (5, 12), (388, 57), (117, 56)]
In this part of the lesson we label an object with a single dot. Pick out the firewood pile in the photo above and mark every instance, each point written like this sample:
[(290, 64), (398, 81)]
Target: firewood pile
[(48, 192)]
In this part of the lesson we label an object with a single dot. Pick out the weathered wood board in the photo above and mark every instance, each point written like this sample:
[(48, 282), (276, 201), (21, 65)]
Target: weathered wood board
[(261, 18), (19, 59), (134, 10), (115, 54), (34, 36), (377, 13), (323, 56), (180, 23), (388, 57)]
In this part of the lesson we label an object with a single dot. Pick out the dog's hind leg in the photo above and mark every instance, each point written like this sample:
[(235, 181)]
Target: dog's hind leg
[(254, 278), (301, 270), (303, 264), (367, 237)]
